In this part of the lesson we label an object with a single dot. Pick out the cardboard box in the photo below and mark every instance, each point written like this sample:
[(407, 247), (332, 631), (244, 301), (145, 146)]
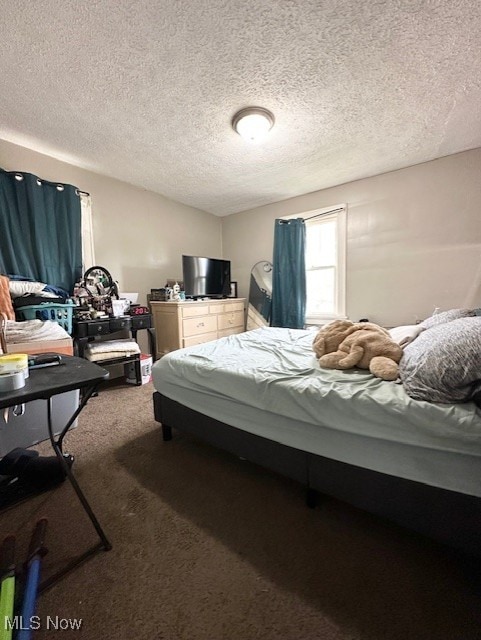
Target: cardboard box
[(145, 370), (65, 346)]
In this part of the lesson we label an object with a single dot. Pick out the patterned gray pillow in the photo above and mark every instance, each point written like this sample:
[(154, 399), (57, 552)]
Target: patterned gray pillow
[(444, 363), (446, 316)]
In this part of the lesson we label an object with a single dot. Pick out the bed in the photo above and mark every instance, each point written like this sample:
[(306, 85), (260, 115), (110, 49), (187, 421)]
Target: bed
[(262, 396)]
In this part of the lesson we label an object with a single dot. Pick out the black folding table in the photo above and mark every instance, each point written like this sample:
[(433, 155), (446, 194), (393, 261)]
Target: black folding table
[(72, 373)]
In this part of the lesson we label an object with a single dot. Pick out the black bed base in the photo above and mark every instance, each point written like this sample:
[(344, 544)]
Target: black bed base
[(446, 516)]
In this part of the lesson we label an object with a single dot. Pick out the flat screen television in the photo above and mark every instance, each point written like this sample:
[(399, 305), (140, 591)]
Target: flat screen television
[(206, 277)]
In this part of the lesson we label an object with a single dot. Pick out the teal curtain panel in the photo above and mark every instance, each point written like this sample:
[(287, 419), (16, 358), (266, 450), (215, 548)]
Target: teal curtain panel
[(289, 274), (40, 230)]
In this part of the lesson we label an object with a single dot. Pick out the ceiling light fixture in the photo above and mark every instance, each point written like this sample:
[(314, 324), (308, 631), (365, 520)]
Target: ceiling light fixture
[(253, 123)]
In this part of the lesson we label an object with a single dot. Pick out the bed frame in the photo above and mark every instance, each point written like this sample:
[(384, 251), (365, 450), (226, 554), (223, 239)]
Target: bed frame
[(446, 516)]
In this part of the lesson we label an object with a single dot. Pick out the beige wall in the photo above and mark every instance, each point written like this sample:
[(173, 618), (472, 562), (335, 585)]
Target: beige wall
[(414, 235), (414, 238), (139, 235)]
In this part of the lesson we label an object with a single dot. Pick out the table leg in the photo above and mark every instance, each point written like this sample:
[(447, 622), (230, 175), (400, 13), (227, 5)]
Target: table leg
[(85, 398), (57, 447), (152, 343), (138, 371), (151, 338)]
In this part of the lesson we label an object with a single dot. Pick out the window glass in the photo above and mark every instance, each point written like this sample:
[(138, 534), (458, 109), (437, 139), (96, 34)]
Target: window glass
[(321, 263), (321, 291), (321, 244)]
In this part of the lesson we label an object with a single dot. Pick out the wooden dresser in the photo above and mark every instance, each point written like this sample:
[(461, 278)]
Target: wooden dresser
[(183, 324)]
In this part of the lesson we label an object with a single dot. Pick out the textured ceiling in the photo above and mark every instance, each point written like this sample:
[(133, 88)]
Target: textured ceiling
[(144, 91)]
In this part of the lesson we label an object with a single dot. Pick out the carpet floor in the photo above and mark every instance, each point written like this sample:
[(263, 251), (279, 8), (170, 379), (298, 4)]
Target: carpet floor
[(209, 547)]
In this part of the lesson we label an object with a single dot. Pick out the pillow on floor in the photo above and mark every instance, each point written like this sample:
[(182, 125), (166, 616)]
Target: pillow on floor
[(443, 364)]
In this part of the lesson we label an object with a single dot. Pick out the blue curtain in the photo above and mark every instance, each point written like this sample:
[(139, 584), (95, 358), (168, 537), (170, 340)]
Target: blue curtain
[(289, 274), (40, 230)]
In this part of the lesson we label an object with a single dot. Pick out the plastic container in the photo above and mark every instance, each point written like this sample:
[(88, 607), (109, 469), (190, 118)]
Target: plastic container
[(30, 427), (14, 363), (145, 370), (60, 313)]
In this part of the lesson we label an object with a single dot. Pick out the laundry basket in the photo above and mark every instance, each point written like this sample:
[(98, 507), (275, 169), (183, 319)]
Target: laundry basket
[(59, 313)]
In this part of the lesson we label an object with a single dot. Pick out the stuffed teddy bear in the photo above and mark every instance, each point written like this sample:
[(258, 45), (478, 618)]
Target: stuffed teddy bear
[(343, 344), (331, 335)]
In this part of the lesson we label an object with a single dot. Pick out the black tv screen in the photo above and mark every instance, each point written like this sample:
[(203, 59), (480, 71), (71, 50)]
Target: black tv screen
[(206, 277)]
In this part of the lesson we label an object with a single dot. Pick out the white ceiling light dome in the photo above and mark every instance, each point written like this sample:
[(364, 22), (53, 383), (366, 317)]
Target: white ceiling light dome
[(253, 123)]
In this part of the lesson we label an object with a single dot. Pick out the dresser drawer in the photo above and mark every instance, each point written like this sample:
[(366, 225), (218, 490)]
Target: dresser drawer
[(216, 308), (233, 306), (195, 310), (204, 337), (100, 328), (141, 321), (117, 324), (195, 326), (231, 319)]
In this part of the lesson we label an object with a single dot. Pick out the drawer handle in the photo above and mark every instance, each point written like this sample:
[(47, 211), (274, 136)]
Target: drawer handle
[(231, 321), (200, 324)]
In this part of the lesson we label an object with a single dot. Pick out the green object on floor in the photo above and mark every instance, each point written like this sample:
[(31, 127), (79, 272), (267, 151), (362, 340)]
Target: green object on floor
[(7, 593), (6, 607)]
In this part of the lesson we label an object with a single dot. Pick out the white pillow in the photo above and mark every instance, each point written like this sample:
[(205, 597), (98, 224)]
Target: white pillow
[(21, 287), (405, 334)]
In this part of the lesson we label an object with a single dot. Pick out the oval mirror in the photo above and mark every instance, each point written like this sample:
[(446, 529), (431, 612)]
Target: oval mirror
[(260, 295), (99, 282)]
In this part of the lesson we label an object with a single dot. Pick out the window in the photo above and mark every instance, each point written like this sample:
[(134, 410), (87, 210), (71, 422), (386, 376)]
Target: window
[(325, 264), (88, 254)]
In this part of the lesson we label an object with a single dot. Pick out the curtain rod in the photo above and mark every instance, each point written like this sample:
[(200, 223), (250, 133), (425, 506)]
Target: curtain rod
[(325, 213), (40, 181), (318, 215)]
